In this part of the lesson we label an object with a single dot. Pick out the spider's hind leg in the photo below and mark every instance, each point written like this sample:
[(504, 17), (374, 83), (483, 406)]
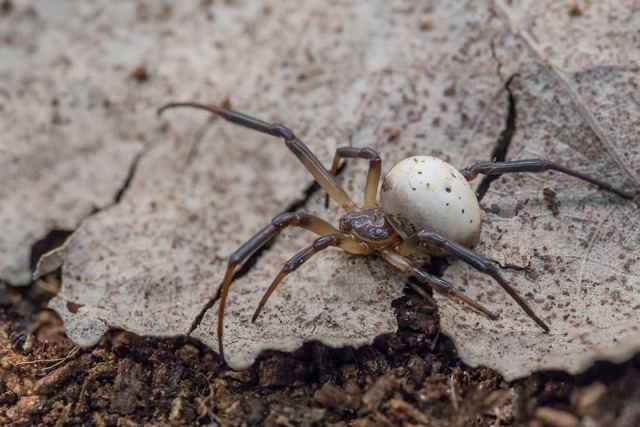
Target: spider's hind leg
[(470, 257), (536, 165), (435, 282)]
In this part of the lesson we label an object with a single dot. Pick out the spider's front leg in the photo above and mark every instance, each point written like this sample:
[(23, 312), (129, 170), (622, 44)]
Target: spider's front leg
[(302, 152), (477, 261), (536, 165), (345, 242), (373, 176), (261, 238), (435, 282)]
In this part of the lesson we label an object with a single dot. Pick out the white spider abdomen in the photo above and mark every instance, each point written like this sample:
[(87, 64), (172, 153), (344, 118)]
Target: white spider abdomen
[(423, 192)]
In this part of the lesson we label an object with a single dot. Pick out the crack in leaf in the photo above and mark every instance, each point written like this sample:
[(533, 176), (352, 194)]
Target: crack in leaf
[(127, 181), (51, 242), (56, 238), (246, 267), (499, 153), (561, 75)]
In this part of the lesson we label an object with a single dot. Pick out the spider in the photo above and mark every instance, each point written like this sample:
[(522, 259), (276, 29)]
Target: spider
[(442, 218)]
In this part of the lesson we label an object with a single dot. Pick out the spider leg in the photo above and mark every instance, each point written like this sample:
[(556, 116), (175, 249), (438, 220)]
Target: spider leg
[(373, 177), (261, 238), (536, 165), (472, 258), (296, 261), (302, 152), (435, 282)]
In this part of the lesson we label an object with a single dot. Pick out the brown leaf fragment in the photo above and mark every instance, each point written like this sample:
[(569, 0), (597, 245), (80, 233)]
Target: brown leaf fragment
[(333, 396), (583, 400), (127, 386), (552, 201), (556, 417), (379, 391), (403, 412)]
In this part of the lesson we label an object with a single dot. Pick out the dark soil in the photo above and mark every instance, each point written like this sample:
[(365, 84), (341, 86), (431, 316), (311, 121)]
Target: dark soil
[(411, 378)]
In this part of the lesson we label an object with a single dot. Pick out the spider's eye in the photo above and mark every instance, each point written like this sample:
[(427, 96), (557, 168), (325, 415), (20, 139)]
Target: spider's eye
[(345, 225)]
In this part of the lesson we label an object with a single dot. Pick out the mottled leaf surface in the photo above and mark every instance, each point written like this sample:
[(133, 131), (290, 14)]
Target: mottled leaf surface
[(578, 265), (404, 79), (64, 151), (420, 85), (392, 72), (79, 85)]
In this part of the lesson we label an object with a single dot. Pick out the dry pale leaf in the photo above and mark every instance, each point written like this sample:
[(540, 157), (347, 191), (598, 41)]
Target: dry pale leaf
[(63, 153), (574, 250), (416, 93), (152, 262), (401, 78), (79, 84)]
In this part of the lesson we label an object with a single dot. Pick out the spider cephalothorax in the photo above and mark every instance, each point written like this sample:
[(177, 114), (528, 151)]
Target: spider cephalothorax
[(425, 205), (369, 225)]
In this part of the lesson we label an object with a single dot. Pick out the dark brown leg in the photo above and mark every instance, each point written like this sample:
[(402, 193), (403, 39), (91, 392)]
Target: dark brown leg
[(261, 238), (373, 177), (295, 262), (435, 282), (535, 165), (308, 159), (472, 258)]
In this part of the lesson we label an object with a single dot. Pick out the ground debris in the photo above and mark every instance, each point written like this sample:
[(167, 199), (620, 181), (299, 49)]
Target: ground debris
[(556, 417), (335, 397), (127, 387), (162, 203), (403, 412), (181, 382)]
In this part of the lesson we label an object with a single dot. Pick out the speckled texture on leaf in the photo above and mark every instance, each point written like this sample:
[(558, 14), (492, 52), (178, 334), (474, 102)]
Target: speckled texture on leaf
[(410, 87), (152, 262), (579, 268), (63, 149), (402, 78)]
